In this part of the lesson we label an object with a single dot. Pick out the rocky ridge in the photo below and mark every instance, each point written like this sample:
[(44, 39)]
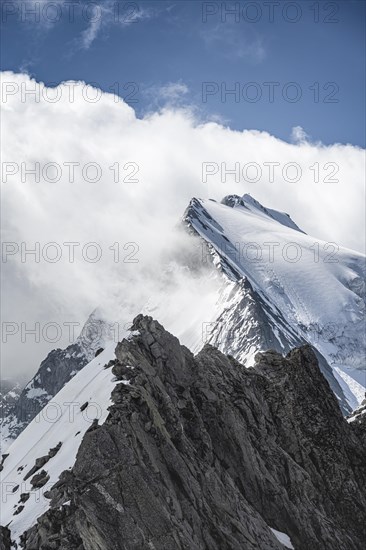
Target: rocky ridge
[(201, 453)]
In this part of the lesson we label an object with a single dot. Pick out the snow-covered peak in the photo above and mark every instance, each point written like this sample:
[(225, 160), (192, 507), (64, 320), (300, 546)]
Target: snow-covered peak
[(316, 286), (250, 203), (96, 333)]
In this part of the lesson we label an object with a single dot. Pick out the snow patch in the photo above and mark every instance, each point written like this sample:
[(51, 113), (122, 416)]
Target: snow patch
[(36, 392), (283, 538)]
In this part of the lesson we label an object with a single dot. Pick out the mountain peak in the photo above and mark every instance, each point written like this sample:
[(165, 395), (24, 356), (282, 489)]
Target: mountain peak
[(304, 289), (232, 201), (250, 203)]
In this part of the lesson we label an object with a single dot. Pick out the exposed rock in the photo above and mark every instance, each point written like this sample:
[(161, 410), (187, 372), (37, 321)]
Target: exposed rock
[(93, 426), (54, 532), (5, 540), (200, 453), (39, 480), (110, 364), (3, 458), (53, 452), (357, 422), (41, 461)]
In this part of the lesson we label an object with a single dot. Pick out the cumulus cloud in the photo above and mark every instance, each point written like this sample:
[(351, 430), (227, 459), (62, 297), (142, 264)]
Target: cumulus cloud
[(109, 178)]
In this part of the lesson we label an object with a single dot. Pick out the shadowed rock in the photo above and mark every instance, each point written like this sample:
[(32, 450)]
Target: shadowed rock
[(200, 453)]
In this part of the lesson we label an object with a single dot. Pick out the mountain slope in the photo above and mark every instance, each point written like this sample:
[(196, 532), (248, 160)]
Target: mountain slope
[(245, 294), (309, 290), (10, 391), (60, 427), (54, 372), (201, 452)]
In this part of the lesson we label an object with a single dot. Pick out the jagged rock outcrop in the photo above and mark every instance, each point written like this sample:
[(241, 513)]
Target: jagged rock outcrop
[(252, 324), (201, 453)]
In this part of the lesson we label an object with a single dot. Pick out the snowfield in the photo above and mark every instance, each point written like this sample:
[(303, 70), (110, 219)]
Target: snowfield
[(61, 421)]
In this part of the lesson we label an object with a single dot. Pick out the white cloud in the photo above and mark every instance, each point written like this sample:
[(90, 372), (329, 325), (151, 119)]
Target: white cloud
[(91, 32), (170, 95), (298, 135), (173, 91), (169, 148), (108, 14)]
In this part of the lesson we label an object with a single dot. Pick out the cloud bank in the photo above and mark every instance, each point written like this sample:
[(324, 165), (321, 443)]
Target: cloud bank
[(106, 177)]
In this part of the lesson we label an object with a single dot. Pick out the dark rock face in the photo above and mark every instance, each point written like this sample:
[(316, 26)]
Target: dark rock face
[(39, 480), (200, 453), (3, 458), (5, 540), (42, 460), (358, 422)]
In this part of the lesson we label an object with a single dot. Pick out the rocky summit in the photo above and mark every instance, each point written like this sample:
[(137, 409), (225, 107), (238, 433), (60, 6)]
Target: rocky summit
[(201, 453)]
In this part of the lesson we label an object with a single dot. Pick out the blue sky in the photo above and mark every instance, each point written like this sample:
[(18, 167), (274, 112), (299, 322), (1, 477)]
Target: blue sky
[(166, 53), (168, 50)]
